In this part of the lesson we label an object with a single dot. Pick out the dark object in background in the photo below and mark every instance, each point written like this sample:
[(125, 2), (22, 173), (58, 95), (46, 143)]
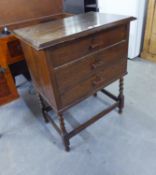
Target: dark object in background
[(80, 6), (20, 68), (91, 5)]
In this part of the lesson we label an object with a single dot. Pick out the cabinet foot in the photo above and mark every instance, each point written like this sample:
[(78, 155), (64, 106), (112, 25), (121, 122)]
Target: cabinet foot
[(65, 139), (95, 94), (43, 107), (121, 96)]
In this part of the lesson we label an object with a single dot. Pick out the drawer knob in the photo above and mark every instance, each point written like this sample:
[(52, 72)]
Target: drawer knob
[(98, 82), (95, 46), (98, 64)]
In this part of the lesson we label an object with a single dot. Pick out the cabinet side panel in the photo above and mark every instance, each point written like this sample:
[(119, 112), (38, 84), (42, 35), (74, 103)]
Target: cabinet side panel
[(39, 71), (8, 91)]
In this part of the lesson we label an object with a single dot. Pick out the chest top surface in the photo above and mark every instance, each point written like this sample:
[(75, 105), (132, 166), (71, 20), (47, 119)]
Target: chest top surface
[(51, 33)]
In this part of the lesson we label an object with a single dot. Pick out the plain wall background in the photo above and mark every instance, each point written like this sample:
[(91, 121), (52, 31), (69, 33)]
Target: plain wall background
[(136, 8)]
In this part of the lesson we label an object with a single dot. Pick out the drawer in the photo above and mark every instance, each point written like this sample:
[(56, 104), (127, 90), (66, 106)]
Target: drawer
[(71, 74), (110, 74), (76, 49), (15, 48), (77, 92), (96, 82)]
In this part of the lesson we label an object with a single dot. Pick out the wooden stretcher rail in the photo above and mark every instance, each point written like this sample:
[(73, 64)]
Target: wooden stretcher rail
[(109, 95), (92, 120), (48, 118)]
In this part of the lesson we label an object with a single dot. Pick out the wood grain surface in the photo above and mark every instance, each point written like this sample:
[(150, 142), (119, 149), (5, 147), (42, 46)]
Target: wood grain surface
[(51, 33), (18, 11), (73, 58), (149, 48)]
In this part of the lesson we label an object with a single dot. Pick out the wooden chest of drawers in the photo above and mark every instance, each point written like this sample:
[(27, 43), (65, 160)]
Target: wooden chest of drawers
[(72, 59)]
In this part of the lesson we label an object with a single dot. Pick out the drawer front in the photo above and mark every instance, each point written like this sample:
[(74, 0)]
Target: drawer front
[(108, 75), (73, 50), (72, 74), (96, 82), (76, 93), (15, 48)]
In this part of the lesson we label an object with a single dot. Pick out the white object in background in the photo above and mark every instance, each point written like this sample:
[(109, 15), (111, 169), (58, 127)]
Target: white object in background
[(136, 8)]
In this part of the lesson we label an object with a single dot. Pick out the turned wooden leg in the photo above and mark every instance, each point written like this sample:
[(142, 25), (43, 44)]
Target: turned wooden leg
[(121, 95), (65, 139), (42, 105), (95, 94)]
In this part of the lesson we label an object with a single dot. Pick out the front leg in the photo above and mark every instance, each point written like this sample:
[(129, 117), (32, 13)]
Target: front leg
[(121, 95), (95, 94), (43, 107), (65, 138)]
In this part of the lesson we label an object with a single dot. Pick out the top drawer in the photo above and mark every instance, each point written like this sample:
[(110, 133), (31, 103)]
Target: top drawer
[(76, 49)]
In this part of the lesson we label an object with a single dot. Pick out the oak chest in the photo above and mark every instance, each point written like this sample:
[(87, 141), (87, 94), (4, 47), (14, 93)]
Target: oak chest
[(73, 58)]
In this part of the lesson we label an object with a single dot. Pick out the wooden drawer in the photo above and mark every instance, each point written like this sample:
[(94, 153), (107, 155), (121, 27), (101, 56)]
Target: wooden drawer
[(10, 50), (77, 92), (97, 81), (15, 48), (71, 74), (110, 74), (73, 50)]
